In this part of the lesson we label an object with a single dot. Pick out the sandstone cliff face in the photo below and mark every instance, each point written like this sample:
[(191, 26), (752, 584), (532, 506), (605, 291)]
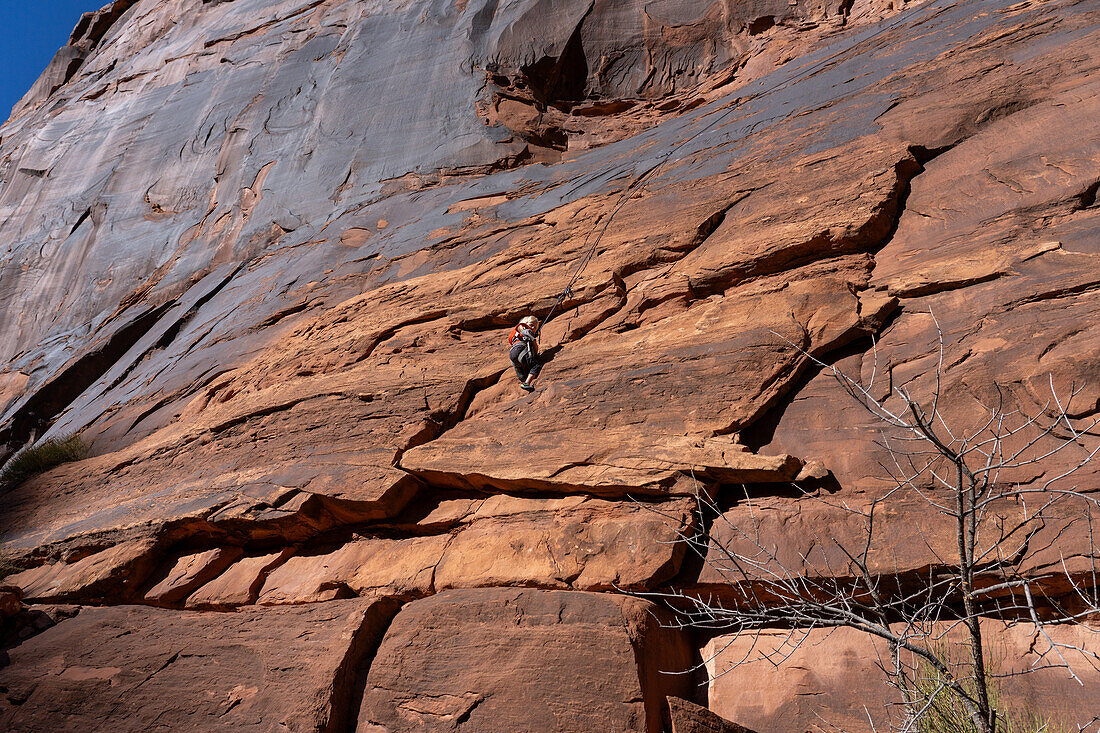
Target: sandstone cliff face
[(263, 256)]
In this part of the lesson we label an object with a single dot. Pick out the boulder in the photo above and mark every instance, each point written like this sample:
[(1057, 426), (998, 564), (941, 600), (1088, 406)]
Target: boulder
[(366, 567), (11, 601), (687, 717), (178, 579), (900, 536), (585, 544), (240, 584), (499, 659), (115, 572), (133, 668)]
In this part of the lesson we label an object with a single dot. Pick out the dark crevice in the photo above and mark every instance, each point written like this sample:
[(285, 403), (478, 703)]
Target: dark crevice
[(290, 310), (709, 225), (261, 577), (1087, 198), (702, 233), (760, 24), (508, 318), (761, 430), (907, 170), (870, 238), (465, 717), (561, 81), (203, 381), (441, 421), (1067, 292), (58, 392), (28, 623), (1054, 597), (351, 677), (925, 155), (675, 485), (392, 331), (80, 220), (170, 334), (694, 559), (158, 405), (1005, 109), (728, 496), (236, 420), (411, 522), (880, 230)]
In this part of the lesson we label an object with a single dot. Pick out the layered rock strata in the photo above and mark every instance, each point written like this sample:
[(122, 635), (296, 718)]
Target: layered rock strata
[(263, 257)]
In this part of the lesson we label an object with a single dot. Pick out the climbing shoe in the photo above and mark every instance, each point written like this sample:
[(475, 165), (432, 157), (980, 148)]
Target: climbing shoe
[(526, 387)]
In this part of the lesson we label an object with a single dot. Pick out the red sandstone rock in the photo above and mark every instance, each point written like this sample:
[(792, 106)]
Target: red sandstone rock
[(133, 668), (687, 717), (512, 659), (585, 544), (238, 585), (278, 315), (1010, 277), (113, 573), (709, 268), (813, 537), (590, 545), (180, 578), (365, 567), (831, 679), (11, 600)]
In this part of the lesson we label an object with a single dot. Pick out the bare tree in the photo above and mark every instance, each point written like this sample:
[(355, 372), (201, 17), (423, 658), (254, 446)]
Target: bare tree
[(998, 525)]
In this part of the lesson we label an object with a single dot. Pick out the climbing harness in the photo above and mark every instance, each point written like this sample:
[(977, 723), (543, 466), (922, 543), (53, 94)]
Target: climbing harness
[(640, 178)]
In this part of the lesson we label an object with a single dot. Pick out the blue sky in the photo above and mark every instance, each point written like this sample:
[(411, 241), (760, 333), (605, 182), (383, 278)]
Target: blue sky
[(31, 31)]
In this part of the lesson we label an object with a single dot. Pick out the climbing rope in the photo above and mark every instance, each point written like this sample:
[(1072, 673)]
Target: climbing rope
[(640, 178)]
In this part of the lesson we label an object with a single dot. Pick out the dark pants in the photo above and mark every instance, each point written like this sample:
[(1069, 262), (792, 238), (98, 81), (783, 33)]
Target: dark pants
[(525, 358)]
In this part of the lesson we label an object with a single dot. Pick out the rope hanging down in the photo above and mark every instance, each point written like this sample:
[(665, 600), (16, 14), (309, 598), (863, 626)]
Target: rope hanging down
[(640, 178)]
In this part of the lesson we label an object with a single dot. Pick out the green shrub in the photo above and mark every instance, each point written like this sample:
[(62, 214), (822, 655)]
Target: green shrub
[(42, 457), (946, 713)]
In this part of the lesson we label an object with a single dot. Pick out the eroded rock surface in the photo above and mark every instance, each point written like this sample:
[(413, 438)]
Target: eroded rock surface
[(263, 256)]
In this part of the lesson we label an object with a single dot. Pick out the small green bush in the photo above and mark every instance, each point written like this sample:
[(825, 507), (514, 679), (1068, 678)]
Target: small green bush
[(42, 457), (946, 713)]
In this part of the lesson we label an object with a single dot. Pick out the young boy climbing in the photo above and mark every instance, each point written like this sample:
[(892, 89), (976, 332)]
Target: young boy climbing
[(524, 351)]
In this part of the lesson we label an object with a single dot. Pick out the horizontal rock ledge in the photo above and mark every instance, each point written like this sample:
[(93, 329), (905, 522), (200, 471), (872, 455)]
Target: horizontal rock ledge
[(631, 463)]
